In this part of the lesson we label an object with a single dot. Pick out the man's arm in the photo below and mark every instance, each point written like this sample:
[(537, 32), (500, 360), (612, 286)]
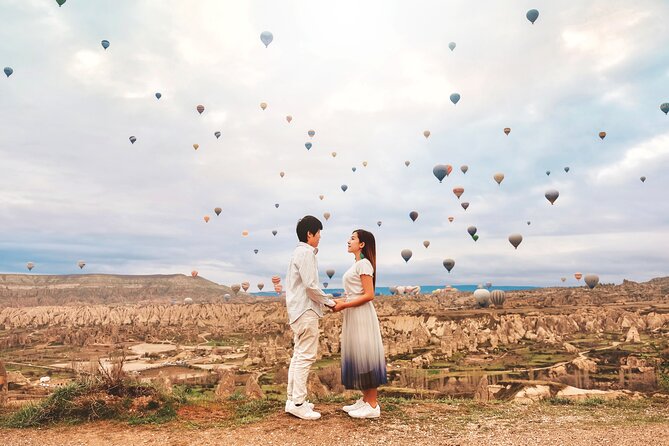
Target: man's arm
[(306, 266)]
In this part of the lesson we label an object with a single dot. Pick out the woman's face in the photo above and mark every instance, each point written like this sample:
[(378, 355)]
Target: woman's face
[(354, 244)]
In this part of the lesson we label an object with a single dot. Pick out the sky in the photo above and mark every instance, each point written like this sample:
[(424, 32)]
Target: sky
[(369, 78)]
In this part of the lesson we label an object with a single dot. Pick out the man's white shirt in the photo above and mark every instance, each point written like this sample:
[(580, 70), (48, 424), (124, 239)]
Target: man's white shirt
[(303, 292)]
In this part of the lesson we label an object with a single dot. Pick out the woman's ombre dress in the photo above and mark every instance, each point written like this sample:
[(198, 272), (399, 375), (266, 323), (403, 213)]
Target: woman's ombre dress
[(363, 363)]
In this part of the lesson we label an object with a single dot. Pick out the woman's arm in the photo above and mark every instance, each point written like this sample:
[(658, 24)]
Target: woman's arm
[(368, 294)]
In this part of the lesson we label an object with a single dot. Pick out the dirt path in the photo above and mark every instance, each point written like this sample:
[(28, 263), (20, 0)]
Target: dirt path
[(401, 424)]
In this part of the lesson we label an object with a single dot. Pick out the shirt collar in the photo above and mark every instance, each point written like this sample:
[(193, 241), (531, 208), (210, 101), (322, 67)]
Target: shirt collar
[(307, 245)]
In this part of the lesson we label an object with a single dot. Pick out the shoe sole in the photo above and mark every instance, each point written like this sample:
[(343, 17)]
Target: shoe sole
[(303, 418), (362, 418)]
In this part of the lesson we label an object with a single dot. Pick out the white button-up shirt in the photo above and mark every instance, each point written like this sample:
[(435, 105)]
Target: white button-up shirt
[(302, 290)]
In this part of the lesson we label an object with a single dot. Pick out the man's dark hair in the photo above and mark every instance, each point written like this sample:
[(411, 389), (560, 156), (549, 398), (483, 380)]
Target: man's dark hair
[(308, 223)]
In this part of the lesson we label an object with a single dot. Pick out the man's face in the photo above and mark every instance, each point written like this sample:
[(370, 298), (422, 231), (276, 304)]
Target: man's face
[(313, 240)]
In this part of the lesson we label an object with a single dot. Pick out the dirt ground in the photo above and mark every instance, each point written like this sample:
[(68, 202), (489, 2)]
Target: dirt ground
[(401, 424)]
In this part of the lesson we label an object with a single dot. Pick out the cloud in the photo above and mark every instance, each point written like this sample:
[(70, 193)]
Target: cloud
[(369, 78)]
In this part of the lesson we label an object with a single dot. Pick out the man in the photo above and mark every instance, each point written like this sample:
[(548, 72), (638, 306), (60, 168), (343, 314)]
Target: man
[(304, 301)]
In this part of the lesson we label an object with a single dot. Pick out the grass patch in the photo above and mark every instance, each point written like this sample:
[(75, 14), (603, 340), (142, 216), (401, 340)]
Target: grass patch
[(591, 402), (558, 401), (255, 410)]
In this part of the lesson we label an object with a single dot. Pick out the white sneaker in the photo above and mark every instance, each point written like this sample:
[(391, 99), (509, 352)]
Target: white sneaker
[(289, 403), (355, 406), (303, 411), (366, 411)]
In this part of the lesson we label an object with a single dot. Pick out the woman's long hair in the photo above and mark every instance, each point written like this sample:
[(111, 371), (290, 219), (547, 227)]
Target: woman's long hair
[(369, 250)]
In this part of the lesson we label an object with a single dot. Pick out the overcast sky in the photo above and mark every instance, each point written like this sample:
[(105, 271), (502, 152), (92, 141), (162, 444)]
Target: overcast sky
[(369, 77)]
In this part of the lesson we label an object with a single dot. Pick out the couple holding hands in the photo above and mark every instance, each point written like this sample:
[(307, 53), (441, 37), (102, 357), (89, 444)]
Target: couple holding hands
[(363, 364)]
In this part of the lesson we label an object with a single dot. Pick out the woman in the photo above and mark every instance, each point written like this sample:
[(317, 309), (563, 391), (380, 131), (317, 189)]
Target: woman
[(363, 363)]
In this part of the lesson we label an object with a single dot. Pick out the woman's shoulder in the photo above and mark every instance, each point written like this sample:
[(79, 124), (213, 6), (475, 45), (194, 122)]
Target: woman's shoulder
[(364, 266)]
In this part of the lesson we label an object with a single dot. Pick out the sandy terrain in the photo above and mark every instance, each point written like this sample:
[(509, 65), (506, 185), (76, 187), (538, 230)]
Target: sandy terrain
[(424, 423)]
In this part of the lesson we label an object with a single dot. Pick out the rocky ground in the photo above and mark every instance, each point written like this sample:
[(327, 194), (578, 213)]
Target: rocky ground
[(452, 422)]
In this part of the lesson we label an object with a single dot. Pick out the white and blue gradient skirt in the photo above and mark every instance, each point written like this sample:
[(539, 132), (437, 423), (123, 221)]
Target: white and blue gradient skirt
[(363, 363)]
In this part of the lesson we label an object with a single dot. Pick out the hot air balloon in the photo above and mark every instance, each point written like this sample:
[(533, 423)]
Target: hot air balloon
[(344, 187), (276, 205), (226, 297), (105, 44), (566, 169), (578, 276), (364, 164), (206, 219), (439, 171), (455, 98), (327, 216), (188, 301), (196, 146), (255, 251), (217, 134), (235, 288), (475, 237), (274, 232), (552, 195), (159, 95), (276, 280), (450, 219), (482, 297), (378, 223), (497, 297), (81, 264), (472, 230), (449, 264), (311, 133), (451, 46), (665, 107), (426, 134), (532, 15), (643, 179), (354, 169), (602, 135), (507, 130), (261, 286), (282, 174), (465, 205), (132, 140), (245, 233), (426, 243), (498, 177), (246, 286), (406, 254), (458, 191), (263, 105), (548, 172), (591, 280), (200, 109), (564, 279), (308, 145), (266, 37), (321, 197), (515, 240), (8, 71), (193, 273), (413, 215), (334, 154), (528, 222), (289, 118), (30, 266), (464, 168), (60, 2), (406, 163), (325, 284), (330, 273), (218, 211)]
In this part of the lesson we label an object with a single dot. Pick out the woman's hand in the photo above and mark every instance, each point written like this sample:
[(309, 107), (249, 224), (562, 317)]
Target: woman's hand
[(340, 305)]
